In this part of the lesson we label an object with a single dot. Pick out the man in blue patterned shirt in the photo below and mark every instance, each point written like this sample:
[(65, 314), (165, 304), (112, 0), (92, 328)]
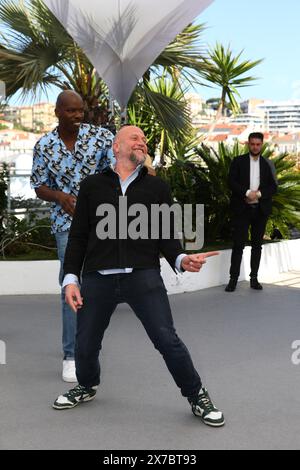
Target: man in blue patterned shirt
[(61, 160)]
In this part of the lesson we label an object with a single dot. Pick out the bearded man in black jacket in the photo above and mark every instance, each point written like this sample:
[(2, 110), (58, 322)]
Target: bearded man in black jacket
[(118, 268)]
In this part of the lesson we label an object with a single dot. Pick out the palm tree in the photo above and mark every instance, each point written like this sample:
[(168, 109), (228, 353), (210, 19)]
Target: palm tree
[(200, 176), (153, 107), (225, 70), (36, 52)]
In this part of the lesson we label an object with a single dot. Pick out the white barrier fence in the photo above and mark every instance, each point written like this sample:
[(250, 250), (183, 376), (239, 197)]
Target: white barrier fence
[(41, 277)]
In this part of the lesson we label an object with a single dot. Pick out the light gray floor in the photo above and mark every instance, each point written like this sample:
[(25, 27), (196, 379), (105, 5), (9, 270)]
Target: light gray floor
[(240, 343)]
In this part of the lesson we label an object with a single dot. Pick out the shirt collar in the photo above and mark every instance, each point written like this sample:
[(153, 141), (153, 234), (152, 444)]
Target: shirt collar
[(136, 170), (253, 159), (79, 135)]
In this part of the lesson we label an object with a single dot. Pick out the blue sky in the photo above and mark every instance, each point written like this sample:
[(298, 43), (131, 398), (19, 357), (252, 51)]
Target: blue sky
[(268, 29)]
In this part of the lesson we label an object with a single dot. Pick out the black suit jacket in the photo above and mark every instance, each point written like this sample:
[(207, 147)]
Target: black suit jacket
[(239, 182)]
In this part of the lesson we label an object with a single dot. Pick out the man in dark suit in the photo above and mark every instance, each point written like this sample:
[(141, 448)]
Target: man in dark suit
[(252, 181)]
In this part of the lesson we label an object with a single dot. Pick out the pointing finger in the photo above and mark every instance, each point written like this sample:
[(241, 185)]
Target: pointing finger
[(210, 253)]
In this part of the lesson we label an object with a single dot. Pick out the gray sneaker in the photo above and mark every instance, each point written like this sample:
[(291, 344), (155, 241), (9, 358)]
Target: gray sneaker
[(203, 407), (73, 397)]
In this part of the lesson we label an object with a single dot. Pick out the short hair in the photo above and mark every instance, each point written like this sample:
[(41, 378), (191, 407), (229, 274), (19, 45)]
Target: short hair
[(256, 135), (60, 101)]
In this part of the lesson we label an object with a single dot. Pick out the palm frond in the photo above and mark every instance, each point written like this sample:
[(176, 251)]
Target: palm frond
[(226, 71), (185, 53)]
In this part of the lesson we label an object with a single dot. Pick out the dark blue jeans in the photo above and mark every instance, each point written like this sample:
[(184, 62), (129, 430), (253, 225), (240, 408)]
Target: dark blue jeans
[(145, 292)]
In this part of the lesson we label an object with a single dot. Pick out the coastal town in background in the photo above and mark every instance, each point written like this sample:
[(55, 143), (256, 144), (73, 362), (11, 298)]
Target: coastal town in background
[(22, 126)]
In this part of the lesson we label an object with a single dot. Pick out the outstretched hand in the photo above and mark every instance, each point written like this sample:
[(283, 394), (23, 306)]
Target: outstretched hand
[(193, 263), (73, 297)]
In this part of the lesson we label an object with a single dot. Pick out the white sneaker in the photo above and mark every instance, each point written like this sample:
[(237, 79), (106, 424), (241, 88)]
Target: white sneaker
[(69, 371), (73, 397), (203, 407)]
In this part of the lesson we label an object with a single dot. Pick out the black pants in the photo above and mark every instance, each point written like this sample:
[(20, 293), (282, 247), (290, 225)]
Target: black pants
[(254, 218), (145, 292)]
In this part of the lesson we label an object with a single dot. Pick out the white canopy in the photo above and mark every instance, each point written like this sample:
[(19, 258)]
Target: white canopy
[(122, 38)]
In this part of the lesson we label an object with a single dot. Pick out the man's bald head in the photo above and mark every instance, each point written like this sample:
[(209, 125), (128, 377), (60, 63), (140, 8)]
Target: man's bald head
[(69, 111), (130, 144), (125, 131), (66, 96)]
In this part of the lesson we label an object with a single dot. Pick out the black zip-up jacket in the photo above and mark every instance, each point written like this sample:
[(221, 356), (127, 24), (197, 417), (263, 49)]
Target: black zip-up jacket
[(86, 250)]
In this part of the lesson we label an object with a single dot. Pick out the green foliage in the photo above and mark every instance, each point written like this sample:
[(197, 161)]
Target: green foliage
[(286, 203), (37, 52), (200, 176), (160, 110), (225, 70), (20, 237)]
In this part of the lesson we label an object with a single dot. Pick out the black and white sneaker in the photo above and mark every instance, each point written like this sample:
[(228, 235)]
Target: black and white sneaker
[(203, 407), (73, 397)]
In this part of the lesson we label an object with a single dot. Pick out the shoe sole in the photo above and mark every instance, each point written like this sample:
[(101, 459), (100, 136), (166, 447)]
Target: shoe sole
[(69, 407), (214, 425)]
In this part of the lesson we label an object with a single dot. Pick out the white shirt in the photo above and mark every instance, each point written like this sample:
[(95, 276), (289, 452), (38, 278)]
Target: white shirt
[(73, 279), (254, 177)]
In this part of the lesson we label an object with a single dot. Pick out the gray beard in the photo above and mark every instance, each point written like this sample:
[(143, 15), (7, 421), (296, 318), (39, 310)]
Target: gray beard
[(135, 160)]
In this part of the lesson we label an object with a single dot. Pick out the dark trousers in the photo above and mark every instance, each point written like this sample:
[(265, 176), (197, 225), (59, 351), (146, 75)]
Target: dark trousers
[(254, 218), (145, 292)]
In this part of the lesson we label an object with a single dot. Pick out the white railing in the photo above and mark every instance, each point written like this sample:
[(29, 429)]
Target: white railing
[(41, 277)]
